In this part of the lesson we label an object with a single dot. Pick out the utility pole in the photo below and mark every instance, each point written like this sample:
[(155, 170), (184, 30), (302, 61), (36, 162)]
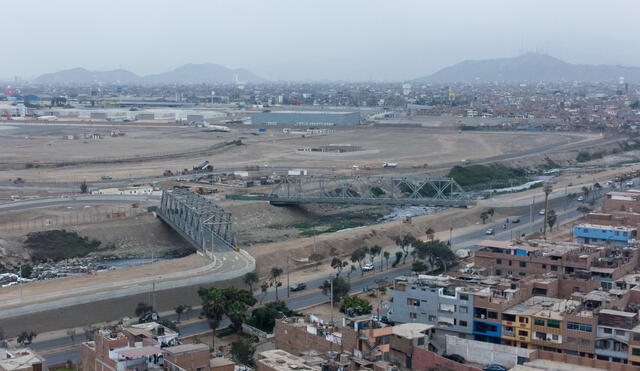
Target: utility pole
[(531, 214), (331, 298), (288, 285), (547, 190)]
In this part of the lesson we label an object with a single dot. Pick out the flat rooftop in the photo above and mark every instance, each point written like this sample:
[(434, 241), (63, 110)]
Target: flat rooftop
[(542, 306), (284, 361), (605, 227), (20, 359)]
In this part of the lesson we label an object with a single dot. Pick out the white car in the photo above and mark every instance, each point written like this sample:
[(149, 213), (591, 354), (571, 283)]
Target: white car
[(367, 267), (541, 212), (630, 183), (580, 199)]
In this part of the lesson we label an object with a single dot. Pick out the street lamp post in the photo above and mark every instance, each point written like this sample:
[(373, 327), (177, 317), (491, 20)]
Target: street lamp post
[(547, 190)]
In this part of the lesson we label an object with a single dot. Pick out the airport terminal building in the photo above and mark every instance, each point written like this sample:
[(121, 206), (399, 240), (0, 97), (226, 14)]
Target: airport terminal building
[(305, 118)]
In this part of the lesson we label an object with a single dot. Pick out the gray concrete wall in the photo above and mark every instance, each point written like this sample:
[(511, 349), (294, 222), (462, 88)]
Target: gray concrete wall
[(486, 353)]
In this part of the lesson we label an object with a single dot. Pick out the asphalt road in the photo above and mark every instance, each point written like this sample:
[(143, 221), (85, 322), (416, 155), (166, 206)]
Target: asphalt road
[(58, 201)]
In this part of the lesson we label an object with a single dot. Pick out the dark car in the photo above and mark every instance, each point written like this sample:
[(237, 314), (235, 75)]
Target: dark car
[(298, 286), (494, 367), (455, 357), (516, 220)]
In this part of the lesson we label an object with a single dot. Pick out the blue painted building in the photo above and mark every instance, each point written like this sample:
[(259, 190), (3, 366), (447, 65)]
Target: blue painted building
[(598, 234)]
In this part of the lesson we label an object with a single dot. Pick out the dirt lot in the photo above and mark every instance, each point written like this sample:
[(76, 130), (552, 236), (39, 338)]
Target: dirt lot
[(405, 146)]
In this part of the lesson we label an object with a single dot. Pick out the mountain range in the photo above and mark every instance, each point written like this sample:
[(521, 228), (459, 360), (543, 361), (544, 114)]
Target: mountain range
[(529, 67), (187, 74)]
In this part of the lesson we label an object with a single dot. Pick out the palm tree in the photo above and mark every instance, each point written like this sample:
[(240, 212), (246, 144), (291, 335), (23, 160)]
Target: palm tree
[(263, 288), (386, 255), (251, 279), (276, 272), (212, 308)]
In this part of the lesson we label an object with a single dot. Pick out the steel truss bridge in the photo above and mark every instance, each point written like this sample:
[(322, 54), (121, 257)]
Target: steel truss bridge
[(370, 190), (200, 221)]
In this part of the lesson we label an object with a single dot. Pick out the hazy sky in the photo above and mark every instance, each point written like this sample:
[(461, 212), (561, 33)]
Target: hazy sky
[(322, 39)]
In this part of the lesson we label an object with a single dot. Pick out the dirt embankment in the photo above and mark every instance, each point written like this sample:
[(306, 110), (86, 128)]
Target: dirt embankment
[(138, 237), (345, 242)]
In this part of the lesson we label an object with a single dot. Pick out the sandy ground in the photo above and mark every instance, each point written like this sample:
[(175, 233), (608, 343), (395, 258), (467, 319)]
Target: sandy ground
[(405, 146)]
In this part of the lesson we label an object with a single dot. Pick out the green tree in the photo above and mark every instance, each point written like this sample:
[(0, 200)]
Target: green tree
[(338, 265), (340, 289), (355, 302), (179, 310), (399, 255), (212, 308), (551, 219), (274, 279), (358, 256), (237, 313), (386, 255), (26, 270), (26, 337), (419, 267), (405, 243), (430, 233), (142, 309), (375, 251), (242, 351), (251, 279), (84, 187), (484, 216), (264, 318)]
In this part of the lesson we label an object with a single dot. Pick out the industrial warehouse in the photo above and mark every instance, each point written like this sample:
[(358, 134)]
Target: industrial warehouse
[(307, 118)]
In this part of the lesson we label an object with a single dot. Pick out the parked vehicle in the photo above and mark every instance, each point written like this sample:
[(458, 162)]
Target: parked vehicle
[(494, 367), (299, 286), (367, 267), (455, 357), (106, 177)]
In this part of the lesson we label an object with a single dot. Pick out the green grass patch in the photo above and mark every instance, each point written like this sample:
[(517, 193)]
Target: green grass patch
[(586, 156), (332, 228), (487, 176), (303, 225), (57, 245)]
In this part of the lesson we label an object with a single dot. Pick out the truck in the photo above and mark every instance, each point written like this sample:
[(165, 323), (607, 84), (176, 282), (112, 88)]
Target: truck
[(390, 164)]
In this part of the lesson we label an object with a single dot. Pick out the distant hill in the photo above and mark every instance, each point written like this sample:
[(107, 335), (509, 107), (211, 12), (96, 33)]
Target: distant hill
[(202, 73), (530, 67), (187, 74), (84, 76)]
